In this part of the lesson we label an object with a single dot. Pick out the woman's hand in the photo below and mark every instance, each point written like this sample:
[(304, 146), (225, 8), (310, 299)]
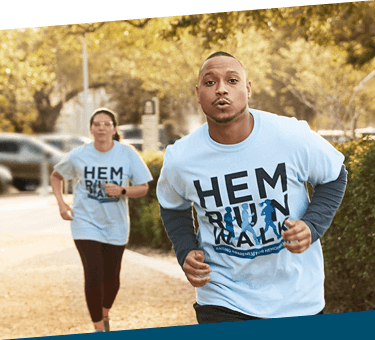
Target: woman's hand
[(66, 212), (113, 189)]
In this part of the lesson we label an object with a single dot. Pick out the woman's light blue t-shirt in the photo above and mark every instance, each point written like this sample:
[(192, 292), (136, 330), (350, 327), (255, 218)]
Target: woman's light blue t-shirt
[(98, 216)]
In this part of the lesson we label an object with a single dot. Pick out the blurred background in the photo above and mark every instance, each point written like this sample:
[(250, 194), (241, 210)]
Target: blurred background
[(311, 62), (315, 63)]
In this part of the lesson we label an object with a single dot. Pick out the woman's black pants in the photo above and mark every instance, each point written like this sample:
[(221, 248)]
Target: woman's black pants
[(101, 266)]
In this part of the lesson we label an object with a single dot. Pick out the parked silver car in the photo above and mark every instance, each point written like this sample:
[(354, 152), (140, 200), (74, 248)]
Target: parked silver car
[(64, 142), (6, 179), (133, 135), (23, 155)]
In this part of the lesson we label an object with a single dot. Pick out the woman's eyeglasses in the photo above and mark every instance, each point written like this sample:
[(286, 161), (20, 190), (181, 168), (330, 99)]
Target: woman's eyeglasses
[(106, 124)]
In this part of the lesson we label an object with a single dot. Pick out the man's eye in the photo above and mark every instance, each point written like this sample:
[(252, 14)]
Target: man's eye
[(209, 82), (233, 80)]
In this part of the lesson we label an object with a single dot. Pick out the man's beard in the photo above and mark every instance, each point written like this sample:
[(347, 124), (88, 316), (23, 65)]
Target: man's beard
[(227, 119)]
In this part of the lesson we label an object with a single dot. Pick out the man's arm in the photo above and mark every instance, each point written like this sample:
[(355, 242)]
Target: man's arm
[(318, 217), (325, 201), (179, 225)]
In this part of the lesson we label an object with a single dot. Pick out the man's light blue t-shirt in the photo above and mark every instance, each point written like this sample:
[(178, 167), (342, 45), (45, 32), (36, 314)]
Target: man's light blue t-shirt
[(242, 194), (97, 216)]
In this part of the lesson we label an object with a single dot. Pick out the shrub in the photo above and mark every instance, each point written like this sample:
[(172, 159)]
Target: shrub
[(146, 225), (348, 245)]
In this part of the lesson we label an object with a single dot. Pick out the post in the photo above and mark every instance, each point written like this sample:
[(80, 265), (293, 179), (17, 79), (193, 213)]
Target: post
[(150, 122), (360, 85), (85, 116), (44, 178)]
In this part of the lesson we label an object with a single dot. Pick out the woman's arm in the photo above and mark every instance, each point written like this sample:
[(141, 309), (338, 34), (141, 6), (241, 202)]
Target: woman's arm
[(56, 183), (131, 191)]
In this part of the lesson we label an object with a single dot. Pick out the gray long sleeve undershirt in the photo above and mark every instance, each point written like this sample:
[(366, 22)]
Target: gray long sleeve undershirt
[(326, 199)]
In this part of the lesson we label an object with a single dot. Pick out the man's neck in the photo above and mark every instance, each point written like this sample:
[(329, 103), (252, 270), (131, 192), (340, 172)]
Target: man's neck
[(232, 132)]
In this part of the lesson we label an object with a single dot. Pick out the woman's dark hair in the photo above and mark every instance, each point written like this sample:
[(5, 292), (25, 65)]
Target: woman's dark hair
[(110, 114)]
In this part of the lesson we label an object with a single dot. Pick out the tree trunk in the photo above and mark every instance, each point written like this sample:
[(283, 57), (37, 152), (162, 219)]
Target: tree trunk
[(48, 114)]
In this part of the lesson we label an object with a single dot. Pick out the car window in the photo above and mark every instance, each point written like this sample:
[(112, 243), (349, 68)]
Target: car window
[(33, 148), (45, 147), (76, 142), (56, 143), (9, 147), (135, 133)]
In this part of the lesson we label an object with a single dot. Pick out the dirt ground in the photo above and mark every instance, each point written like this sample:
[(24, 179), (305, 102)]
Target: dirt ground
[(42, 295)]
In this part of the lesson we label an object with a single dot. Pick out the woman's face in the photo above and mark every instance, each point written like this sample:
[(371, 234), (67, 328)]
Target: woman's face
[(102, 127)]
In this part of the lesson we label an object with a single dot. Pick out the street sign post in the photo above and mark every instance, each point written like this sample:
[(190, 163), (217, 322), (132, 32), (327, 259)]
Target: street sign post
[(150, 121)]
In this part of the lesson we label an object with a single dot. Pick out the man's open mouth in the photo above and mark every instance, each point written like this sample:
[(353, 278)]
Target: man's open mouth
[(221, 102)]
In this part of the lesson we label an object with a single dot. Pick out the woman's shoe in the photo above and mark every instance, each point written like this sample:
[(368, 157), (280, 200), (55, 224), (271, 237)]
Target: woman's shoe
[(106, 323)]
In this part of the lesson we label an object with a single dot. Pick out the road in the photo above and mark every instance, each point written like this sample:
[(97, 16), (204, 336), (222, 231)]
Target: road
[(32, 214)]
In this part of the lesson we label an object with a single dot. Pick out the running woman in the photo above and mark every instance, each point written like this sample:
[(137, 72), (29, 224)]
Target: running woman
[(108, 173)]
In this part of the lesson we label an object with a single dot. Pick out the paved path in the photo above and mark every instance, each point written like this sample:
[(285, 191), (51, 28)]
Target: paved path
[(41, 272)]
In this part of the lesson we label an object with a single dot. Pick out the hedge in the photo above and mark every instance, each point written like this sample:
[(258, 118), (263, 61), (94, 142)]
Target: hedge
[(348, 245), (146, 226)]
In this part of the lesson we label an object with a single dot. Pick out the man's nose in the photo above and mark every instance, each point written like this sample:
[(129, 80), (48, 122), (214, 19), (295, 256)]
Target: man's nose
[(221, 88)]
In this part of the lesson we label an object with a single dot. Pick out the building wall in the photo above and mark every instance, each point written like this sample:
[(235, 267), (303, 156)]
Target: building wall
[(73, 120)]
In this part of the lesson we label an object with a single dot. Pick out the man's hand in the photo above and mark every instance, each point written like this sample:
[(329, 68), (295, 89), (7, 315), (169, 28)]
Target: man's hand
[(194, 267), (298, 231)]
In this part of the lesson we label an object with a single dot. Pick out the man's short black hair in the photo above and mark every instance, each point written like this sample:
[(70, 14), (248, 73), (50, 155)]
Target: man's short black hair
[(220, 53)]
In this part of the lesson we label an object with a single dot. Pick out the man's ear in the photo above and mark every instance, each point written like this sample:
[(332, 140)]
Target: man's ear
[(248, 86), (197, 92)]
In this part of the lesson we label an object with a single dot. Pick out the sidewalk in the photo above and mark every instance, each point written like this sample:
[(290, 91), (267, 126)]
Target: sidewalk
[(41, 291), (163, 266), (29, 202)]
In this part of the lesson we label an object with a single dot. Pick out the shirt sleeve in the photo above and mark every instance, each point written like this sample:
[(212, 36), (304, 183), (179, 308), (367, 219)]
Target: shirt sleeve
[(66, 168), (175, 210), (140, 173), (179, 225), (323, 160), (324, 203), (170, 187), (321, 164)]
